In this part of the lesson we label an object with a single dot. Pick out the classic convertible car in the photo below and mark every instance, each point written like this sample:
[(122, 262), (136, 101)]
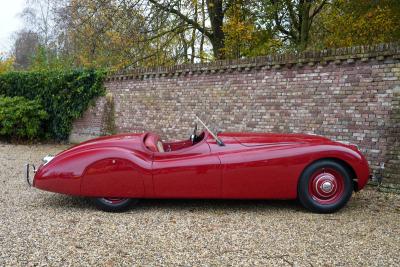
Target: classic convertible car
[(118, 170)]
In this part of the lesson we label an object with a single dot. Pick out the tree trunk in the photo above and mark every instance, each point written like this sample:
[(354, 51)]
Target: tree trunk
[(185, 47), (203, 20), (193, 40), (216, 14), (305, 24)]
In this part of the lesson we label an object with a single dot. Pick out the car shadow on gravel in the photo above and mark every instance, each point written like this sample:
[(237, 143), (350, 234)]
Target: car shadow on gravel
[(63, 202), (190, 205), (228, 205)]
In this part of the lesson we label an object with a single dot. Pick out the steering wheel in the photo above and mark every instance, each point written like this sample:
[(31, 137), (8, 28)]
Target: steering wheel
[(193, 136)]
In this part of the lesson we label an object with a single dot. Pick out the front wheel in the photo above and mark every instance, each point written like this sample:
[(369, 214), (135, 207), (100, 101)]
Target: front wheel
[(325, 186), (114, 204)]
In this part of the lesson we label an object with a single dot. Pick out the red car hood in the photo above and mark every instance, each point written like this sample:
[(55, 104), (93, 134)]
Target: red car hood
[(260, 139)]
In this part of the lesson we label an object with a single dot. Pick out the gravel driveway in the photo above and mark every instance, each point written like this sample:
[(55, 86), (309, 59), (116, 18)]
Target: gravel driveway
[(40, 228)]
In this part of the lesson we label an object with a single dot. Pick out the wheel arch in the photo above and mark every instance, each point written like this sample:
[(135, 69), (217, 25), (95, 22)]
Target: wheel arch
[(116, 173), (340, 161)]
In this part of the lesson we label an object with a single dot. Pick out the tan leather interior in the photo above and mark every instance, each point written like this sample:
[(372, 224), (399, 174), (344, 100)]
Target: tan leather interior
[(160, 147), (153, 143)]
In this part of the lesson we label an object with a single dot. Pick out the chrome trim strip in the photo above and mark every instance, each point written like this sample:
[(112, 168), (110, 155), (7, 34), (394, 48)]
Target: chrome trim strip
[(47, 159)]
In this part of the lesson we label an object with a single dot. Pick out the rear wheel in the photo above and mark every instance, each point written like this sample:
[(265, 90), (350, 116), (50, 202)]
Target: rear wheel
[(114, 204), (325, 186)]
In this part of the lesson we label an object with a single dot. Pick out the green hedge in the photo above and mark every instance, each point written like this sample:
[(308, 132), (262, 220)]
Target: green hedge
[(21, 118), (65, 95)]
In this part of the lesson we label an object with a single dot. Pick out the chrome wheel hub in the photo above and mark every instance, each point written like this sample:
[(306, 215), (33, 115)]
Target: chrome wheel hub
[(327, 186)]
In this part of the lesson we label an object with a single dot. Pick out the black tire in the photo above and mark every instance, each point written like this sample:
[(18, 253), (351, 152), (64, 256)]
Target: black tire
[(107, 204), (316, 182)]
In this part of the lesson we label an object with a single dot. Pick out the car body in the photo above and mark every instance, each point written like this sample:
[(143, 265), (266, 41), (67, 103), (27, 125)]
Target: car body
[(243, 166)]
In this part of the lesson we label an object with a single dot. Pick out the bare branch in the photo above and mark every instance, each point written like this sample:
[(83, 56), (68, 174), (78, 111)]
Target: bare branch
[(318, 9), (183, 17)]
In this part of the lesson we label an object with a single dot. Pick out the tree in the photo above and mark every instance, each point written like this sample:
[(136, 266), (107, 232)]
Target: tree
[(293, 19), (125, 34), (216, 10), (358, 22), (26, 44), (239, 30), (112, 34), (40, 17)]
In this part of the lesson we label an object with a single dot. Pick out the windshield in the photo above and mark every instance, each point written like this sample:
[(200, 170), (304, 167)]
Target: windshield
[(219, 141)]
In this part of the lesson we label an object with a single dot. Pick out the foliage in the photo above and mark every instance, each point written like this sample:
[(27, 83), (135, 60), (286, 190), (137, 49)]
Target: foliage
[(358, 22), (21, 118), (291, 21), (125, 34), (6, 64), (240, 33), (112, 35), (244, 37), (43, 60), (65, 95)]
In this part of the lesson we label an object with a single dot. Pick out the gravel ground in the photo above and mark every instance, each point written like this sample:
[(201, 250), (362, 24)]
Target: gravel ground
[(45, 229)]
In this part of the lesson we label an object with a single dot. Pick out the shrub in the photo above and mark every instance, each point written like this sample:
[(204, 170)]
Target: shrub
[(21, 118), (6, 64), (65, 95)]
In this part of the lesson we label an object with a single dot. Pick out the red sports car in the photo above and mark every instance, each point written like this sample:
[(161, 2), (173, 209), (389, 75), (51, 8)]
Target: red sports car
[(118, 170)]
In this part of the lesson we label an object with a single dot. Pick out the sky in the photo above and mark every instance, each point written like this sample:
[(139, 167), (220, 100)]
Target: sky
[(9, 21)]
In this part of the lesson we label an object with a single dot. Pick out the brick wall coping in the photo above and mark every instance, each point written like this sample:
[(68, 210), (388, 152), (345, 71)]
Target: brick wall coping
[(338, 56)]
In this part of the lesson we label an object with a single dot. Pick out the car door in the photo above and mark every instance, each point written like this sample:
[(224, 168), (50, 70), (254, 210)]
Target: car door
[(187, 173), (257, 172)]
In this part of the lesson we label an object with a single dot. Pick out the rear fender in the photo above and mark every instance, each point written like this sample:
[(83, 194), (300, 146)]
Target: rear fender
[(112, 177), (109, 171)]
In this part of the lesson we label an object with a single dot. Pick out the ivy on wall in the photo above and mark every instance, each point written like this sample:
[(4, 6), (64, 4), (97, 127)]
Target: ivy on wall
[(65, 95)]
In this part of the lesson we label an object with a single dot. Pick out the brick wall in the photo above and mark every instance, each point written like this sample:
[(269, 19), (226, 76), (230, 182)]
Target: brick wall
[(349, 94), (91, 124)]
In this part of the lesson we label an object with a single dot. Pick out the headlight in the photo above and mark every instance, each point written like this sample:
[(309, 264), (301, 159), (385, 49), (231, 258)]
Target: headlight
[(47, 159)]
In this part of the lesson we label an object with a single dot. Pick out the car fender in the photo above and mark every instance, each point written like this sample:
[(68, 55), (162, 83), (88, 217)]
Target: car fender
[(96, 172), (351, 157)]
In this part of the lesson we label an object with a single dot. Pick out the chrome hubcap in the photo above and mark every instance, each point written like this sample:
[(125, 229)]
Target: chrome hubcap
[(327, 186)]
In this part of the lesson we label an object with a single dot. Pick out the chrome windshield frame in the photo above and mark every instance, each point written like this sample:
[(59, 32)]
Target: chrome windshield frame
[(219, 141)]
